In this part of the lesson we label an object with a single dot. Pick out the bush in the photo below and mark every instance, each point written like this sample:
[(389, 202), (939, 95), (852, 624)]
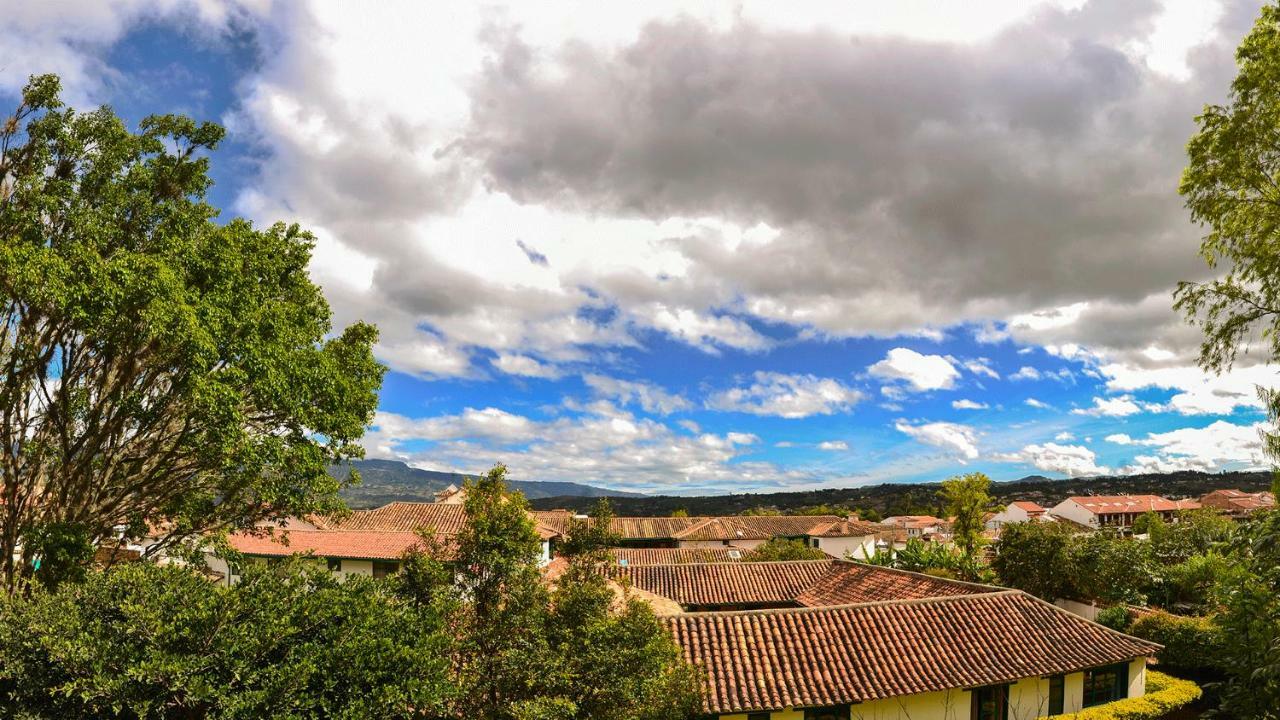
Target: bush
[(1164, 694), (1191, 644), (1115, 617)]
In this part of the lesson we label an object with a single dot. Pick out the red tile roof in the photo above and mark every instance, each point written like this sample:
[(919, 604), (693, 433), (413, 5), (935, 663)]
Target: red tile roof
[(443, 518), (352, 544), (676, 556), (850, 583), (1030, 507), (1238, 501), (776, 659), (1113, 504), (748, 583)]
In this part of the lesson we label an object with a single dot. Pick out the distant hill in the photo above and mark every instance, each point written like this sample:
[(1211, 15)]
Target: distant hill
[(384, 481), (902, 499)]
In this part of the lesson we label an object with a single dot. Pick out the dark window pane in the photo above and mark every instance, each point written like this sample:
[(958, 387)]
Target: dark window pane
[(1103, 685), (838, 712), (758, 716), (990, 703), (1057, 693)]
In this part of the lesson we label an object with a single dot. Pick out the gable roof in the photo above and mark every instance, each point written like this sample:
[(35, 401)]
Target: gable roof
[(749, 583), (776, 659), (850, 582), (354, 545), (403, 516), (675, 556), (1030, 507), (1124, 504)]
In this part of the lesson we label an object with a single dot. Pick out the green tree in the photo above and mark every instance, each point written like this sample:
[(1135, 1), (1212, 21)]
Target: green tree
[(148, 641), (1110, 568), (589, 540), (157, 365), (1250, 620), (1230, 186), (783, 549), (1035, 557), (967, 500)]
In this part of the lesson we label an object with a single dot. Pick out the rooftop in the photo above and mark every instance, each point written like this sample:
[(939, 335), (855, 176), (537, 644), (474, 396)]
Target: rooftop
[(353, 545), (776, 659), (1101, 504), (675, 556)]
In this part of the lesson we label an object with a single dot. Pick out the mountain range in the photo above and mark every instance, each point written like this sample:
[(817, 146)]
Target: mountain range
[(384, 481)]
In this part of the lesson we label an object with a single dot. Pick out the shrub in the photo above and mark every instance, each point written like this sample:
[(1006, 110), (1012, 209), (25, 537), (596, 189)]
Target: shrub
[(1191, 644), (1164, 694), (1115, 617)]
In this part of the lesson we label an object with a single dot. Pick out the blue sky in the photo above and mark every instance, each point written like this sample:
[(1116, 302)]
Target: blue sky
[(715, 248)]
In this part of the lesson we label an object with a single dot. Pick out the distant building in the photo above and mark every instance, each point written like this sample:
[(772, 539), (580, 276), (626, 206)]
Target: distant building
[(1238, 504), (1016, 512), (1118, 511), (918, 526), (832, 534), (452, 495)]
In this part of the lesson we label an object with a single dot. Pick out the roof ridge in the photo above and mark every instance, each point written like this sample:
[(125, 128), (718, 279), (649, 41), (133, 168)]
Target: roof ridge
[(1113, 631), (722, 564), (913, 573), (874, 603)]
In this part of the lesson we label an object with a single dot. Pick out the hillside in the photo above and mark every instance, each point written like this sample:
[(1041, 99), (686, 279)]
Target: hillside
[(899, 499), (384, 481)]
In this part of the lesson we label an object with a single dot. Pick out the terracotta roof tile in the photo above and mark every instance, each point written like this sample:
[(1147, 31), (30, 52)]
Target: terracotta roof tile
[(776, 659), (850, 583), (748, 583), (1028, 506), (1111, 504), (361, 545), (676, 556)]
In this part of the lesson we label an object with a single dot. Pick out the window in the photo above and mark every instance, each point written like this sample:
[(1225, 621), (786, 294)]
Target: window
[(1057, 688), (382, 569), (334, 564), (836, 712), (990, 703), (758, 716), (1103, 685)]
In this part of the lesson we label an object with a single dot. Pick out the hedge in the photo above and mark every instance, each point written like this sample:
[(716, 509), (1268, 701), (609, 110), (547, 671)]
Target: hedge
[(1164, 694), (1191, 644)]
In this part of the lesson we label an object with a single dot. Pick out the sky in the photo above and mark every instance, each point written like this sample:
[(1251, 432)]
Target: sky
[(710, 247)]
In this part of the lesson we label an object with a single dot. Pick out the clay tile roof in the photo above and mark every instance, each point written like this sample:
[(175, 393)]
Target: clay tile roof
[(858, 583), (653, 528), (1029, 506), (676, 556), (356, 545), (557, 520), (1111, 504), (849, 528), (444, 518), (748, 583), (776, 659)]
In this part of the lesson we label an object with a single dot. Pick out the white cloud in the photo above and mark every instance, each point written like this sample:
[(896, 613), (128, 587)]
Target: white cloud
[(1119, 439), (1122, 406), (1213, 447), (1038, 404), (967, 404), (1069, 460), (960, 439), (1064, 436), (1026, 372), (647, 395), (919, 372), (603, 445), (524, 366), (833, 445), (788, 396), (981, 366), (1195, 392)]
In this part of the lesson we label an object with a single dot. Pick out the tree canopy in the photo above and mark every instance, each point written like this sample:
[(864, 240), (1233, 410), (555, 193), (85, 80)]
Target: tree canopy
[(159, 370)]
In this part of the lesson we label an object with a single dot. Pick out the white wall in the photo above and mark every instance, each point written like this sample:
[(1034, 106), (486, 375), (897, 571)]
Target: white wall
[(855, 546), (1071, 510), (744, 544)]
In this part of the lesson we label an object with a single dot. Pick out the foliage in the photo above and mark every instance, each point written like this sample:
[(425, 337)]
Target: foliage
[(60, 552), (783, 549), (1111, 568), (1191, 644), (1164, 695), (967, 500), (1115, 617), (157, 364), (148, 641), (1250, 622), (1195, 532), (1034, 557), (932, 558), (521, 650)]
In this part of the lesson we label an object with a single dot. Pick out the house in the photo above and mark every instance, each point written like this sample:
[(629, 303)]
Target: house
[(365, 542), (1238, 504), (1118, 511), (452, 495), (1016, 512), (703, 587), (984, 656), (832, 534), (918, 526), (343, 552)]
